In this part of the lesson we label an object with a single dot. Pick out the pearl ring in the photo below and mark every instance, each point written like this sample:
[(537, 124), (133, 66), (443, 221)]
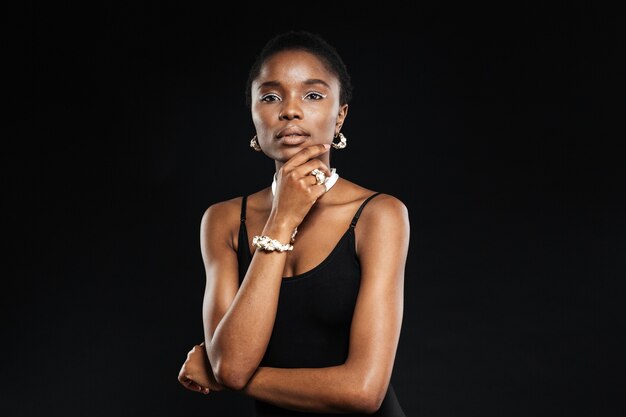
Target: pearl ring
[(320, 177)]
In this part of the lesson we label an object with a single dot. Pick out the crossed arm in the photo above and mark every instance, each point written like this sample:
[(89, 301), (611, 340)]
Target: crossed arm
[(238, 321)]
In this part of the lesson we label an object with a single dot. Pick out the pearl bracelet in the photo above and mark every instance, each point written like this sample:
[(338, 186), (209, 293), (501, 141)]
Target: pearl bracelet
[(268, 244)]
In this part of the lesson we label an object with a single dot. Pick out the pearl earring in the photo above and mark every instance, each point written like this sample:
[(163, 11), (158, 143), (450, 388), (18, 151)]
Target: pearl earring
[(342, 141), (254, 144)]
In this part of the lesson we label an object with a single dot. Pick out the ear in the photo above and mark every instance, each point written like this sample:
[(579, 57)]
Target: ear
[(341, 117)]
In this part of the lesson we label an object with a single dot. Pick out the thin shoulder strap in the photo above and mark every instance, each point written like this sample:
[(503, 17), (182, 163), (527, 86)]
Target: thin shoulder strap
[(358, 213), (243, 251), (243, 208)]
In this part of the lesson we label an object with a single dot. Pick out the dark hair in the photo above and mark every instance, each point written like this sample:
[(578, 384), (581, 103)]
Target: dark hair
[(304, 41)]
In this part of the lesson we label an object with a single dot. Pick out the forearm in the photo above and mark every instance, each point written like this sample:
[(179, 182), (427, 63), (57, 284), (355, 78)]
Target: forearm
[(333, 389), (239, 341)]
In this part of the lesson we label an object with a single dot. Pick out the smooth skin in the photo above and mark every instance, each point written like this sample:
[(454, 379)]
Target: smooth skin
[(296, 113)]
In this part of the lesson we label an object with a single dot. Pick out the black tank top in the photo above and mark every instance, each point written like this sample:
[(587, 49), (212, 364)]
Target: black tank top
[(312, 326)]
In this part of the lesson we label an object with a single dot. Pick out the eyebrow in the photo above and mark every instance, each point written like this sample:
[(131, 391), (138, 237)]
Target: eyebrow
[(310, 81)]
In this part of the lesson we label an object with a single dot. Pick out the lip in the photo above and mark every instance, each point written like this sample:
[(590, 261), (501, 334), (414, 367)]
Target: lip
[(292, 135), (292, 140)]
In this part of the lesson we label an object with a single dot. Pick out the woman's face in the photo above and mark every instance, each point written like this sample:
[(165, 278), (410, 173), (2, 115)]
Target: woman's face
[(295, 104)]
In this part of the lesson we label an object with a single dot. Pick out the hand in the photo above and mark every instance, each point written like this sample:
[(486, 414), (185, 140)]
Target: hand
[(196, 373), (296, 189)]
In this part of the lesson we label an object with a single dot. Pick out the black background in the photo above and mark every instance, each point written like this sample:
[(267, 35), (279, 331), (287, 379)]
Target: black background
[(499, 127)]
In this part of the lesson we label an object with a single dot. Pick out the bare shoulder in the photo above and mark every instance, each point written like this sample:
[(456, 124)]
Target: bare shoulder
[(223, 209), (385, 207), (384, 214), (221, 217)]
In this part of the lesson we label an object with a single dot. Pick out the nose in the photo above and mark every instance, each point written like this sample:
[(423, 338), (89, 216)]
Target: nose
[(291, 109)]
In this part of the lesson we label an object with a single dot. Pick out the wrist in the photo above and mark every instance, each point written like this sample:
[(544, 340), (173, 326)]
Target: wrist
[(283, 232), (268, 244)]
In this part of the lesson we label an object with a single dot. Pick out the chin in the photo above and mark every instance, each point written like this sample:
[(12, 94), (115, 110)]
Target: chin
[(285, 154)]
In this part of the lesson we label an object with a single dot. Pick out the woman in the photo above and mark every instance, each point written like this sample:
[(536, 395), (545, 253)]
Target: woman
[(303, 303)]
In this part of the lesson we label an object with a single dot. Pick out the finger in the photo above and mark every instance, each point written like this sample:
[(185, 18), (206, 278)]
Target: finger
[(305, 154), (317, 190), (182, 378), (191, 385), (187, 383), (309, 166), (320, 190), (194, 386)]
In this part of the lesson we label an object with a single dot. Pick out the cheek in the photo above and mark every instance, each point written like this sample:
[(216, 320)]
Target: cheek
[(327, 114), (256, 120), (259, 118), (326, 120), (262, 115)]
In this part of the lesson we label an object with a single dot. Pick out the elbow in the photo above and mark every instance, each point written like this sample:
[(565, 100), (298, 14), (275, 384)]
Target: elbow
[(231, 377), (368, 400)]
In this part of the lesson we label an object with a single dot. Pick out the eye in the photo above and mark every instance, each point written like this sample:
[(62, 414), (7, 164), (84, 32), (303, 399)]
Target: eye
[(314, 95), (267, 98)]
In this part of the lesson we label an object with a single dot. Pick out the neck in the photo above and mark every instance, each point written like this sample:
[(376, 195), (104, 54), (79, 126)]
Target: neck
[(325, 158), (330, 181)]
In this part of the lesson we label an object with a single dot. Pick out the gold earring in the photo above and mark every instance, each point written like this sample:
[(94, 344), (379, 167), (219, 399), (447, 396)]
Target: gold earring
[(342, 141), (254, 144)]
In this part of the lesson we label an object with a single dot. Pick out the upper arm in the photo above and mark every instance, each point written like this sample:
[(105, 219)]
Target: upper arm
[(382, 247), (220, 265)]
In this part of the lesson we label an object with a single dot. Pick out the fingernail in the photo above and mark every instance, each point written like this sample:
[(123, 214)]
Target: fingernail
[(327, 145)]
